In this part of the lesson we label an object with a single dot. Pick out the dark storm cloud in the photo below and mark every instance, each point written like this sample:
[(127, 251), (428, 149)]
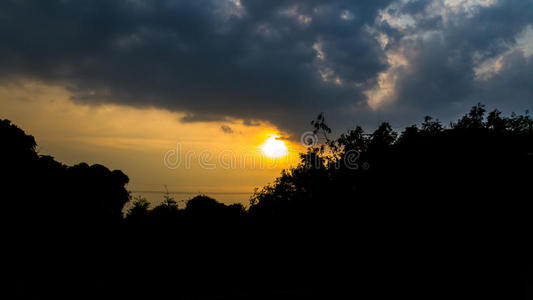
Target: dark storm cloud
[(444, 49), (281, 61), (512, 85), (254, 59)]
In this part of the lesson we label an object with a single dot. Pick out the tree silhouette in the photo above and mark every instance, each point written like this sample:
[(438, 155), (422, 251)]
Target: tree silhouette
[(431, 212)]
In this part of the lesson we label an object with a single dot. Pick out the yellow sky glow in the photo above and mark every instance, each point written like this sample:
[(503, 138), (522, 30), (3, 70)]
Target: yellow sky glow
[(150, 145)]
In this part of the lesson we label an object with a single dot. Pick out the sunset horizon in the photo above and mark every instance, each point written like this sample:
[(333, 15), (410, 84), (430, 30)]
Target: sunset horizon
[(267, 149)]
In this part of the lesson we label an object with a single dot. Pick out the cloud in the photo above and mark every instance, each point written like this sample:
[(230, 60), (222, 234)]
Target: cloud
[(279, 61), (253, 60), (226, 129), (443, 47)]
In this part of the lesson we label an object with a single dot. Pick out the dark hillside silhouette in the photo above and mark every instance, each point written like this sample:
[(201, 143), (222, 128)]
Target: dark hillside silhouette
[(448, 208), (57, 217), (42, 191), (433, 212)]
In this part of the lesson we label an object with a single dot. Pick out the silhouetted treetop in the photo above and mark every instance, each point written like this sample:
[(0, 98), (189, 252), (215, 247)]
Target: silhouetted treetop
[(40, 188), (15, 143), (431, 126), (440, 212), (475, 154)]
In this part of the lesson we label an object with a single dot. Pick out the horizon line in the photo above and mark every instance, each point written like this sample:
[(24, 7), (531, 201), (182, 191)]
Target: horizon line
[(186, 193)]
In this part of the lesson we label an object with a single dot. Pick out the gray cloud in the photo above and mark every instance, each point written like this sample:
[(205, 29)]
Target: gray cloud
[(226, 129), (255, 60), (512, 85), (444, 49), (281, 61)]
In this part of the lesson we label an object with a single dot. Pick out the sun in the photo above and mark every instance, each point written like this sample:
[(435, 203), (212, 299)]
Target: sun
[(274, 148)]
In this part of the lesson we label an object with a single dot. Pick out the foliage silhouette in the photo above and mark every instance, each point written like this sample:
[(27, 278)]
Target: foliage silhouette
[(431, 212)]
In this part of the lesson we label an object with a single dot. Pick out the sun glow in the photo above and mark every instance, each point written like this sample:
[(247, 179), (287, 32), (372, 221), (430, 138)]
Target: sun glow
[(274, 148)]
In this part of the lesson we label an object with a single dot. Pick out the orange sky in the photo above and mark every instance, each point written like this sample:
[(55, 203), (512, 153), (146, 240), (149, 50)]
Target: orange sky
[(136, 140)]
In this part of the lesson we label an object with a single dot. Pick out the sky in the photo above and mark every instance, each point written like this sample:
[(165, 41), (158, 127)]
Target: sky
[(130, 83)]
